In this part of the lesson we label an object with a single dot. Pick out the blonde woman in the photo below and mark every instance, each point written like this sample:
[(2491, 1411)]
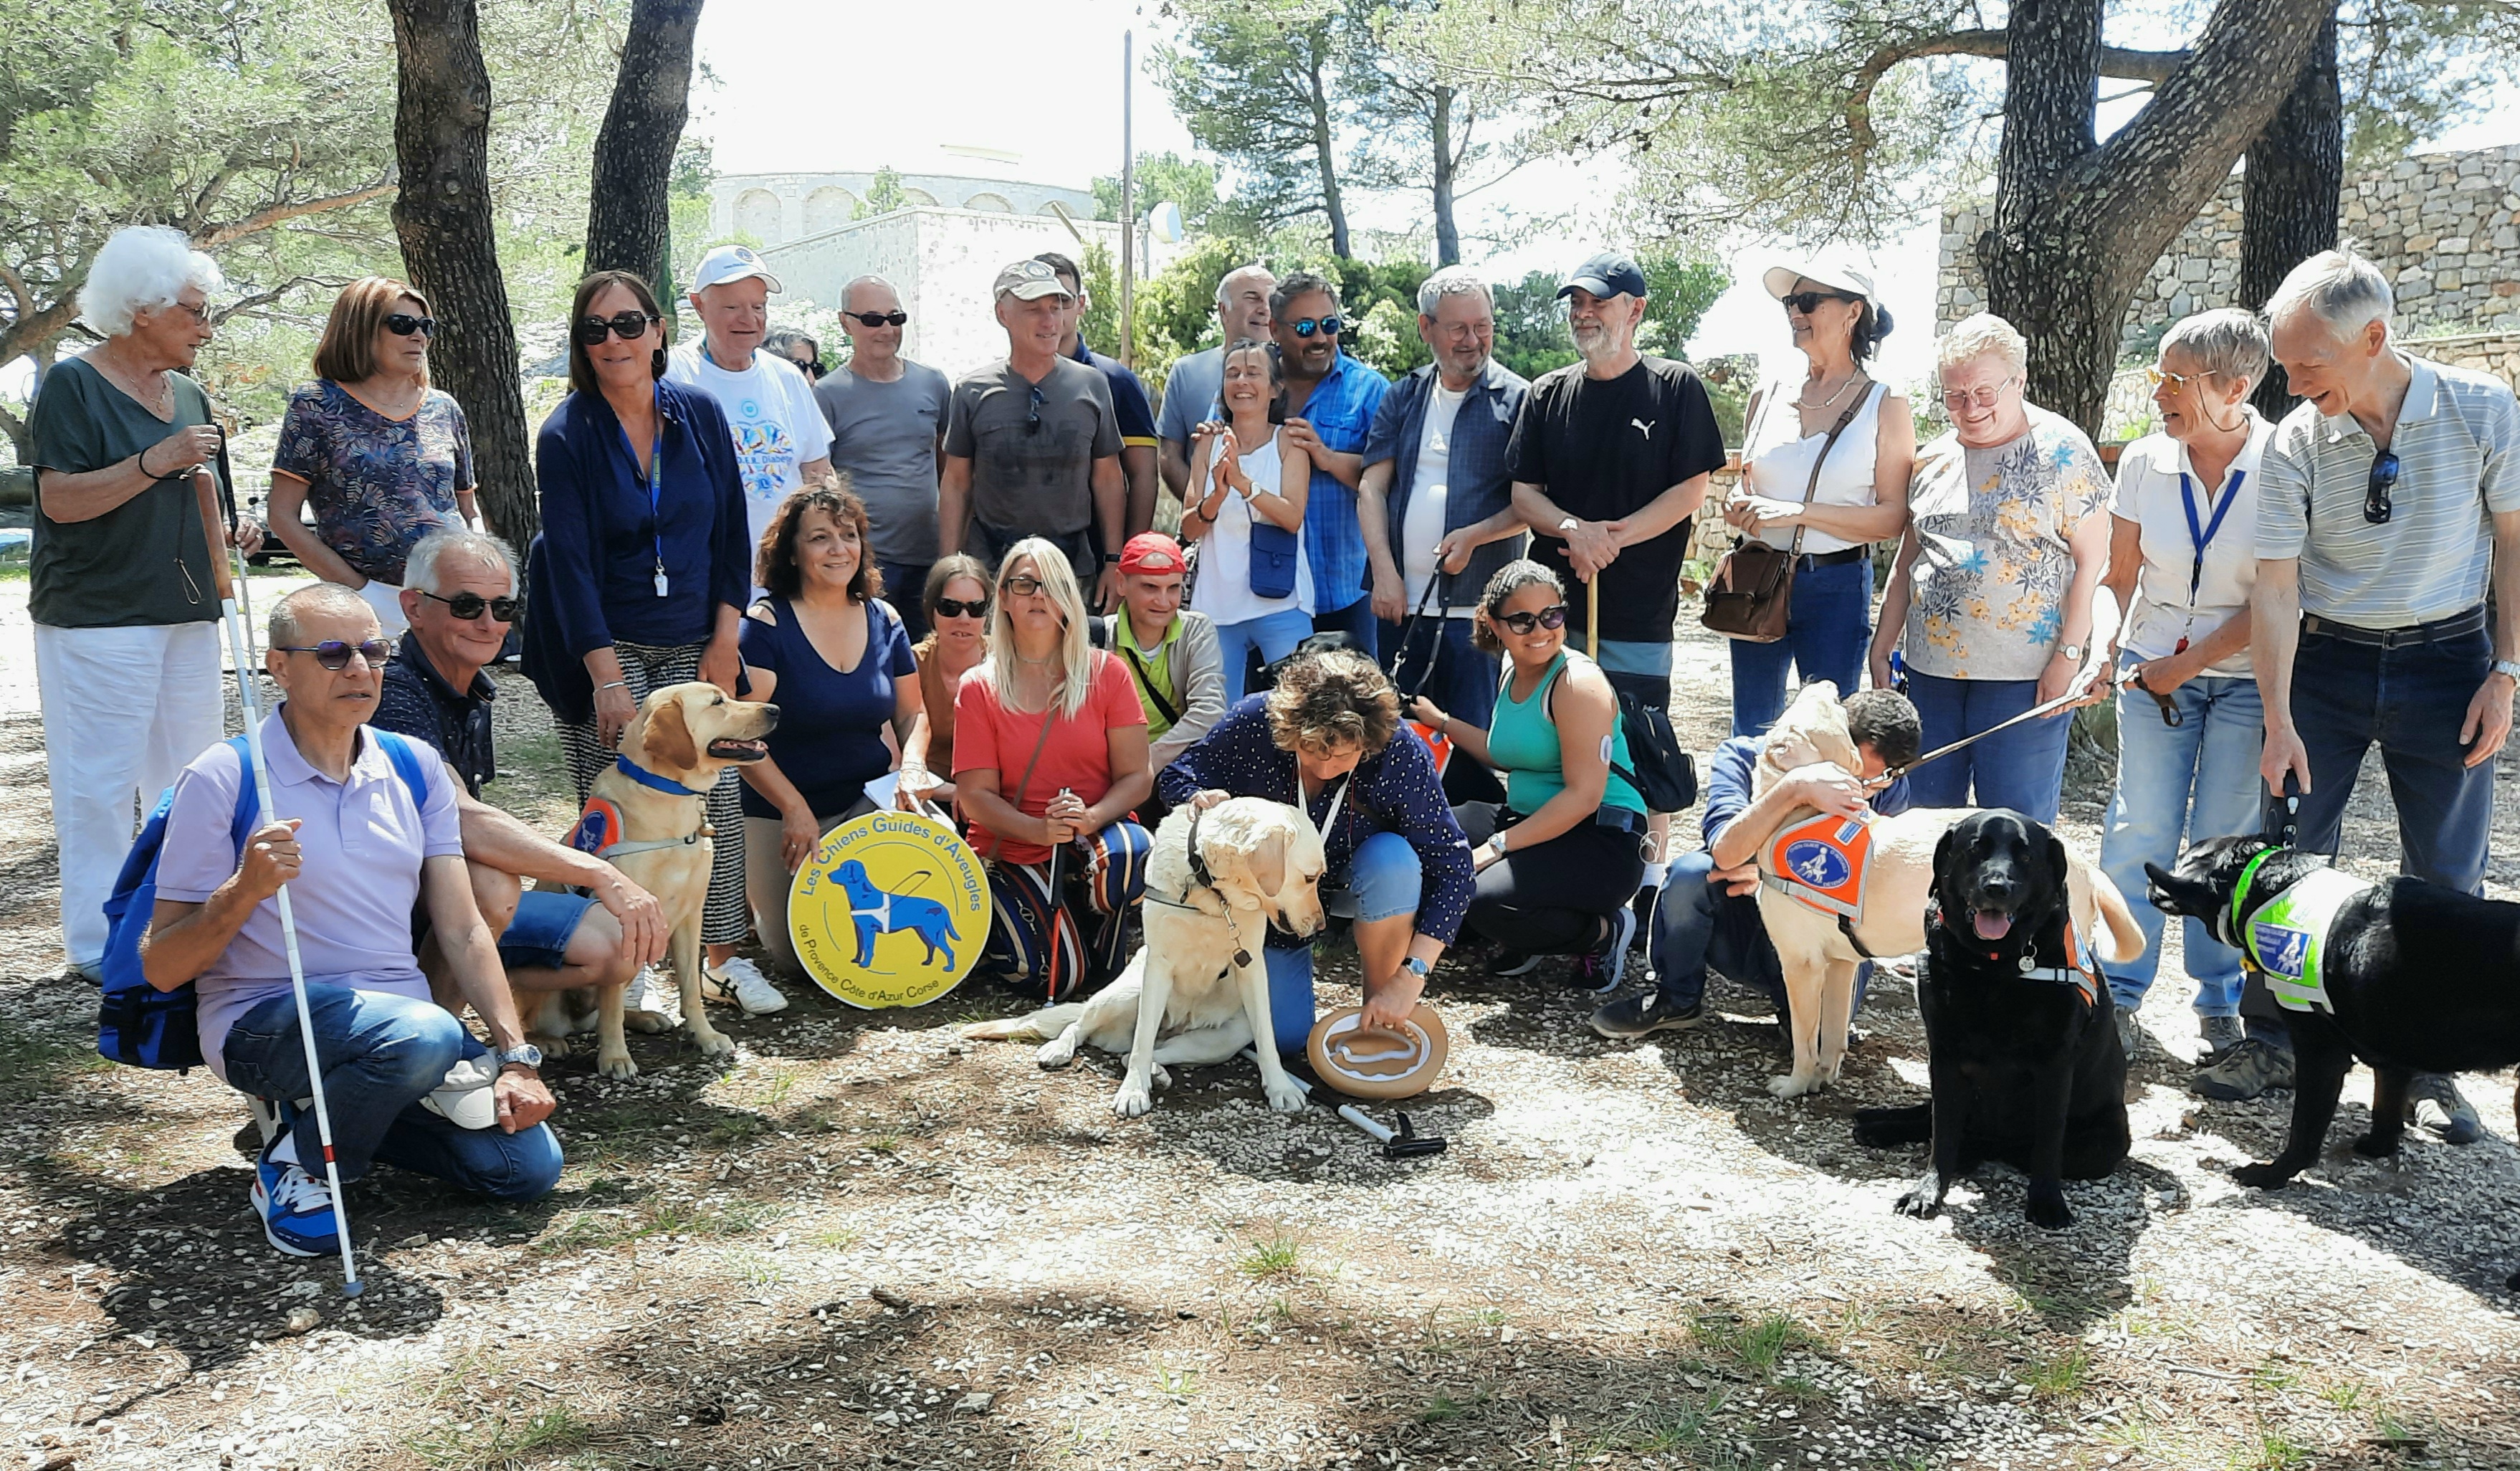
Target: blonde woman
[(1050, 758)]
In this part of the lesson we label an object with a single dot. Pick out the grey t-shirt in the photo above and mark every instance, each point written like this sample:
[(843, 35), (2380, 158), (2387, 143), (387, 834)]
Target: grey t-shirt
[(1033, 477), (883, 436), (1190, 393), (145, 561)]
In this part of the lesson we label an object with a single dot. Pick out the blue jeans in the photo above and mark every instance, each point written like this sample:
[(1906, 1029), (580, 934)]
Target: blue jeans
[(382, 1054), (1830, 629), (2176, 786), (1696, 924), (1275, 636), (2411, 701), (1442, 664), (1355, 619), (2023, 768), (1387, 881)]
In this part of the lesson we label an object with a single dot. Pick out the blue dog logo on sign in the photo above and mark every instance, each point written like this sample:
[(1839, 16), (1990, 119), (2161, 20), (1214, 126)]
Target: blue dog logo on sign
[(2284, 950), (1818, 864), (874, 912)]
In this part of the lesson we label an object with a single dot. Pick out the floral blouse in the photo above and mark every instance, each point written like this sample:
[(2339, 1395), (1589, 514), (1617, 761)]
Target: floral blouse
[(1993, 565), (377, 484)]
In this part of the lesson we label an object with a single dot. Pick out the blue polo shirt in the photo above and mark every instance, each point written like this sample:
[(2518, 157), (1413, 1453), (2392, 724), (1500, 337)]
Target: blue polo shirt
[(1130, 412), (1341, 411)]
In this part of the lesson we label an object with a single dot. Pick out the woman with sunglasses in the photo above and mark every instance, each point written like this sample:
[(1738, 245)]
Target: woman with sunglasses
[(1565, 853), (1991, 598), (957, 604), (641, 571), (1825, 468), (382, 457), (1250, 480), (1050, 760)]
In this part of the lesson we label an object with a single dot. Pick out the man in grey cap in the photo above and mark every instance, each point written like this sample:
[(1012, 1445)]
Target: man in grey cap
[(1032, 445)]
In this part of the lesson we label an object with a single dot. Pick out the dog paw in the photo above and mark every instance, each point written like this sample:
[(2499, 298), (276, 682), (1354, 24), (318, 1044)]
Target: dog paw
[(552, 1046), (1163, 1076), (2047, 1210), (2373, 1147), (615, 1065), (649, 1022), (1286, 1097), (1131, 1101), (711, 1041), (1056, 1054), (2268, 1177), (1795, 1085), (1920, 1202)]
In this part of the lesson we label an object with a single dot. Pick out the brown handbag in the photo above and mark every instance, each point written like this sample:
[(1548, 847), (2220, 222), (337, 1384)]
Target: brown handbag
[(1752, 595)]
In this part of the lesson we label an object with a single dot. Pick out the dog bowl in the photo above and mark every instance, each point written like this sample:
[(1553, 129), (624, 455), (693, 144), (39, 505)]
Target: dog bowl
[(1366, 1064)]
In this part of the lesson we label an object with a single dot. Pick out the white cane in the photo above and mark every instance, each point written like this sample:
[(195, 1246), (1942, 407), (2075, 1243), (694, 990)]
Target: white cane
[(229, 569)]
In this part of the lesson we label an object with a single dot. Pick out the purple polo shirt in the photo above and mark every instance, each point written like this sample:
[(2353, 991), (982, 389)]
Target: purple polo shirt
[(362, 841)]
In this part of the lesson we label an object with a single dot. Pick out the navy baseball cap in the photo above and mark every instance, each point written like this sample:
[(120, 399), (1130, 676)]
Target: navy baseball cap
[(1608, 274)]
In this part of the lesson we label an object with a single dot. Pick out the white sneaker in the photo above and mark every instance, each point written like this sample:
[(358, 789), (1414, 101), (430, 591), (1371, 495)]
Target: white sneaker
[(648, 1004), (741, 982)]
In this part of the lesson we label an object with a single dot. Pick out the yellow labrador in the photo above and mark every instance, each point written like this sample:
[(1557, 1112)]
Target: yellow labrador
[(653, 825), (1199, 991), (1818, 958)]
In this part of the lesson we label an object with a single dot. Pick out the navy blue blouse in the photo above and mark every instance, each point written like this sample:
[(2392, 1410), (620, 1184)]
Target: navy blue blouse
[(830, 737), (1394, 791)]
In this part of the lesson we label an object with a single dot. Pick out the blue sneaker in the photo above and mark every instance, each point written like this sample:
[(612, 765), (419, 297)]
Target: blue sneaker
[(295, 1208)]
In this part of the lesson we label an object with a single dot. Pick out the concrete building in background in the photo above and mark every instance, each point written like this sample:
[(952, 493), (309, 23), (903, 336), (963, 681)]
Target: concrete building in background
[(775, 208)]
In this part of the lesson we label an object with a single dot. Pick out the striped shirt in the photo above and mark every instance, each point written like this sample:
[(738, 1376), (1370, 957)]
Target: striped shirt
[(2457, 443)]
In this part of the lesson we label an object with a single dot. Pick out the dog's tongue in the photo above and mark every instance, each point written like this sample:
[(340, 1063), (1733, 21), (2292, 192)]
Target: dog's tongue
[(1991, 926)]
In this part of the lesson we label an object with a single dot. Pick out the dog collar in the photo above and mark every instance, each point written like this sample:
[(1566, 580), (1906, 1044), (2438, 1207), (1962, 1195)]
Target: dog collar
[(2072, 973), (1203, 877), (2283, 938), (1200, 874), (647, 778)]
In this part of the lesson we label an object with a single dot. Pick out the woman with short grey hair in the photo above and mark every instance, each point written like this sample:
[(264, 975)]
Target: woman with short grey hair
[(126, 609)]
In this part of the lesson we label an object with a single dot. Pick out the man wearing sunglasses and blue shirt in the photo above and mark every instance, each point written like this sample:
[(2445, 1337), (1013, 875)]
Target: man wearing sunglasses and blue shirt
[(1331, 401)]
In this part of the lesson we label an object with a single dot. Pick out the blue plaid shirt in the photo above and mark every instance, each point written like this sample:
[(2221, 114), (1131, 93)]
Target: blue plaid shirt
[(1340, 411), (1479, 484)]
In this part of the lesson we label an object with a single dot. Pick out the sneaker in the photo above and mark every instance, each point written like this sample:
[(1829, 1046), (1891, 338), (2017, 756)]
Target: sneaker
[(2130, 1032), (742, 983), (295, 1208), (2434, 1102), (2221, 1035), (2246, 1071), (1602, 971), (1645, 1014), (1510, 963)]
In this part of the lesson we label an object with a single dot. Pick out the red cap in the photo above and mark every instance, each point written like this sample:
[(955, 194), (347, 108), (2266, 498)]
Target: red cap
[(1150, 553)]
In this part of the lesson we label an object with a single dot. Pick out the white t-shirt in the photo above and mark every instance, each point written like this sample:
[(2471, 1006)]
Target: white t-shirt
[(778, 427), (1422, 519), (1223, 590), (2149, 471)]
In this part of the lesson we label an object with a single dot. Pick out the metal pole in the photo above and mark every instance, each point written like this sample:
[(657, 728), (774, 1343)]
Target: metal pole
[(1128, 206)]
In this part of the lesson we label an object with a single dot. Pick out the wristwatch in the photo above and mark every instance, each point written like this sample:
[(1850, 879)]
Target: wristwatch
[(1111, 559), (2508, 666), (2073, 652), (526, 1056), (1416, 967)]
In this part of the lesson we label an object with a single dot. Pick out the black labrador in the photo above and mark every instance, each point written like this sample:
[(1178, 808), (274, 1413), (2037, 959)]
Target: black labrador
[(2022, 1038)]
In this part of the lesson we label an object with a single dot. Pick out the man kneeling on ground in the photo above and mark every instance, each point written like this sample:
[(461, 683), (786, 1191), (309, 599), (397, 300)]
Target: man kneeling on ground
[(357, 848), (1709, 910)]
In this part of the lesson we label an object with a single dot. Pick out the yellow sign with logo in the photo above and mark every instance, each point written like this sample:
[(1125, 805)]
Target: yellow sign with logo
[(891, 910)]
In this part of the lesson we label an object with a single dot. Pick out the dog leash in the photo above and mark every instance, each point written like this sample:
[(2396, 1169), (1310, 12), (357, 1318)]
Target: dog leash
[(2170, 717), (1407, 632)]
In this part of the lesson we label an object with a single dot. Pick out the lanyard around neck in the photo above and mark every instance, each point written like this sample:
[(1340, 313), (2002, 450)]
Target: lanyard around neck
[(2202, 536), (1329, 819), (657, 493)]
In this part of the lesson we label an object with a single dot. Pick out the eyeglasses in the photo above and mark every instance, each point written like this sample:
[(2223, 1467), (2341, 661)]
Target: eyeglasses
[(809, 366), (1984, 398), (1021, 584), (201, 315), (333, 653), (471, 604), (629, 326), (1805, 302), (1327, 326), (957, 608), (2375, 491), (2156, 377), (404, 324), (1032, 421), (878, 318), (1552, 617)]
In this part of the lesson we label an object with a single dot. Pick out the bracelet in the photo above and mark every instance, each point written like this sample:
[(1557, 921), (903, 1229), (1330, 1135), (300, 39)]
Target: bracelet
[(618, 684), (142, 460)]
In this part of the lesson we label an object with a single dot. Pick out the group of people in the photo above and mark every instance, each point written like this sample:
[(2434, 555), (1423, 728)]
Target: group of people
[(957, 583)]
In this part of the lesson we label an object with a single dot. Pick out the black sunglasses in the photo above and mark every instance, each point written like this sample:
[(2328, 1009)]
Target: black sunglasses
[(1808, 302), (1552, 617), (957, 608), (878, 318), (629, 326), (471, 604), (333, 653), (1032, 423), (2375, 491), (1307, 326), (404, 324)]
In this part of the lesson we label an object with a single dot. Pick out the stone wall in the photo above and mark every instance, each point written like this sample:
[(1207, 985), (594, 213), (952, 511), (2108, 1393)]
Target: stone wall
[(2445, 227)]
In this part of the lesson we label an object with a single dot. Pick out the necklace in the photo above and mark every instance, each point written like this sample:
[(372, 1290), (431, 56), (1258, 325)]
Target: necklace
[(159, 400), (1037, 664), (1852, 378)]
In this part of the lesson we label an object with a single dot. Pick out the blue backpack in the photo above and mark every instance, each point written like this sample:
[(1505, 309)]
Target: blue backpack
[(136, 1023)]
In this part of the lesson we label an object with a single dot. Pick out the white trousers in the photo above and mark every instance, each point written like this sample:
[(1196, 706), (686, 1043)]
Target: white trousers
[(124, 710), (387, 600)]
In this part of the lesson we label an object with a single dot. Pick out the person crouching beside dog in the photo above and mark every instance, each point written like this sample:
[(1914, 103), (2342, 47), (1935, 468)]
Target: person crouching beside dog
[(459, 596), (1709, 913), (358, 845), (1172, 655), (1050, 758), (837, 661), (1565, 851), (1327, 740)]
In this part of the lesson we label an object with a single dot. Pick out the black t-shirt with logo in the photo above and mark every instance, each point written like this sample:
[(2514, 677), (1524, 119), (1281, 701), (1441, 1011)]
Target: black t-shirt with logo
[(1603, 449)]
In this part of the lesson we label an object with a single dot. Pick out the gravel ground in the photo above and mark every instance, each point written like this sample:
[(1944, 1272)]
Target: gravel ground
[(868, 1242)]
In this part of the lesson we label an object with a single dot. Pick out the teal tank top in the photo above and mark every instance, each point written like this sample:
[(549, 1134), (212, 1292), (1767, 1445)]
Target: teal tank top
[(1524, 741)]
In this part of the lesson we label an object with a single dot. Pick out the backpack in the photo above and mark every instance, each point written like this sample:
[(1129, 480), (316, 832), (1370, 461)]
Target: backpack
[(136, 1023)]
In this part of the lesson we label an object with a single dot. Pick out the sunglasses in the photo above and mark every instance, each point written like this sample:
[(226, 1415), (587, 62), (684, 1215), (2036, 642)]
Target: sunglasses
[(1805, 302), (1032, 421), (404, 324), (2375, 491), (629, 326), (957, 608), (471, 604), (1021, 584), (1552, 617), (333, 653), (878, 318), (1984, 398), (1327, 326), (2156, 377)]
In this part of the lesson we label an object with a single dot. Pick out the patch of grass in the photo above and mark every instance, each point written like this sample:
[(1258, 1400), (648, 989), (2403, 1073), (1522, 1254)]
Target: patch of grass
[(837, 1239), (2272, 1451), (2273, 1375), (736, 1129), (1437, 1410), (34, 1066), (499, 1440), (1173, 1381), (886, 1143), (2056, 1375), (780, 1085), (1756, 1344), (1680, 1429), (1277, 1258), (2343, 1395), (1799, 1388), (596, 1231)]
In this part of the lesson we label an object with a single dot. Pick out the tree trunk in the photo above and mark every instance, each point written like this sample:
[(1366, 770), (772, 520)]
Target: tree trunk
[(2292, 192), (1325, 146), (1448, 235), (628, 220), (442, 217)]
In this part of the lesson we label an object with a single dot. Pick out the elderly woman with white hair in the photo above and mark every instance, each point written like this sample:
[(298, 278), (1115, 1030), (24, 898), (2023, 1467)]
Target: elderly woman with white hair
[(124, 605), (1991, 597)]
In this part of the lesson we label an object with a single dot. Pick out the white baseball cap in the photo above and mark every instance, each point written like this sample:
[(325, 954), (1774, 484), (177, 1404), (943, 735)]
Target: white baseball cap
[(732, 263), (1826, 275)]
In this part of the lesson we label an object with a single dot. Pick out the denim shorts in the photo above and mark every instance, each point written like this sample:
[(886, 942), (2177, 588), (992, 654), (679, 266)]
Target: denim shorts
[(538, 937)]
